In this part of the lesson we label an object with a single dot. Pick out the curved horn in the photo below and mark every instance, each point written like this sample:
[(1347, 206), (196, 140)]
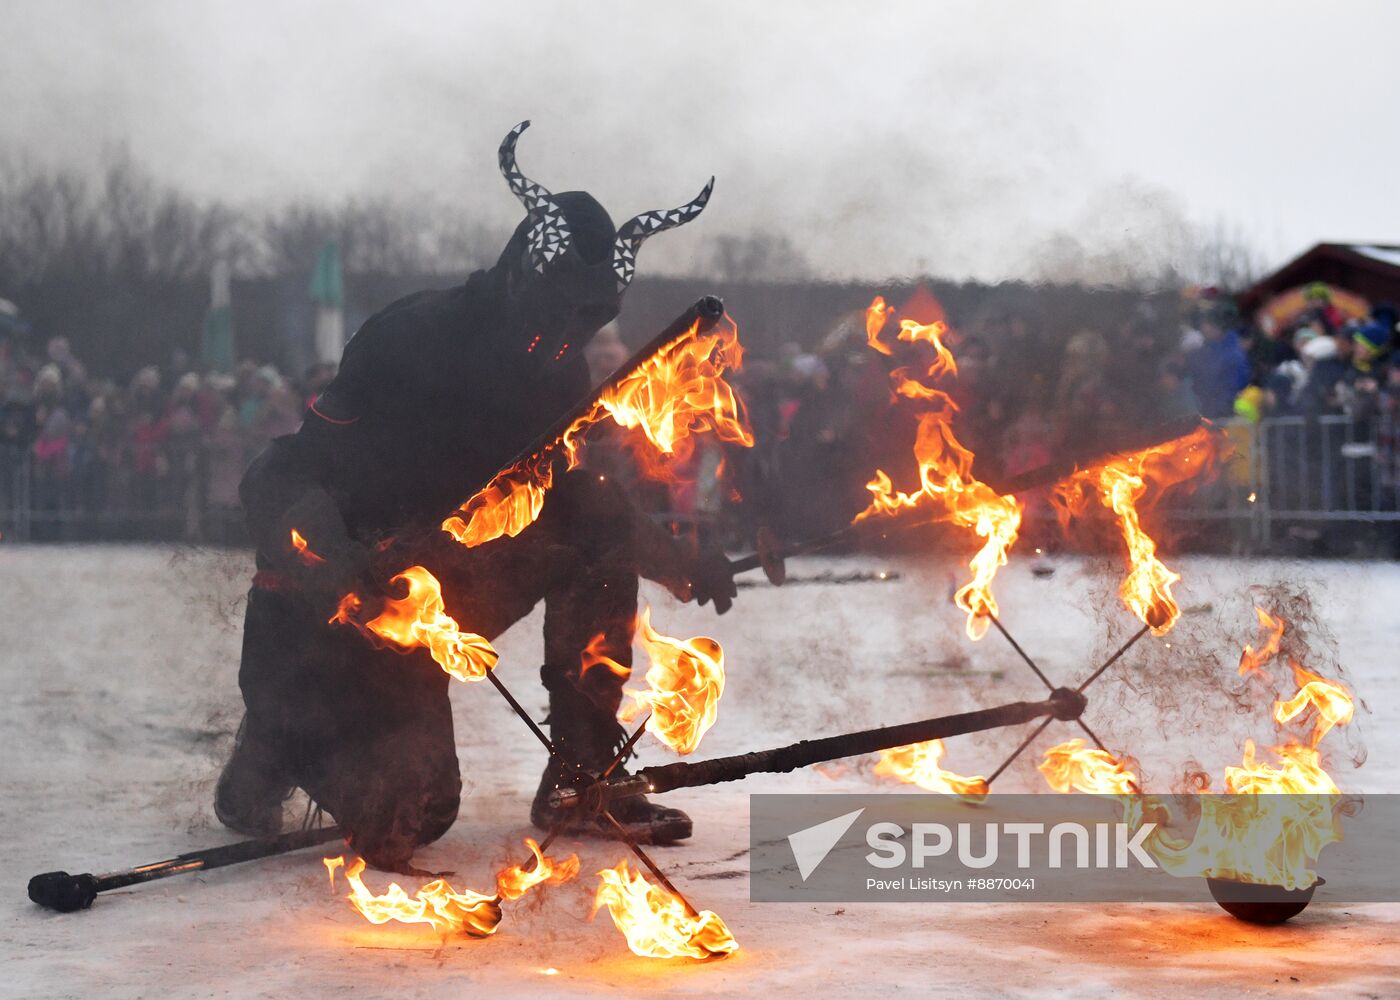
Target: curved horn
[(549, 230), (634, 232)]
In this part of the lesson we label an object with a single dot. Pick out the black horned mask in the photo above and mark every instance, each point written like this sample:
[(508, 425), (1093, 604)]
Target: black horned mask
[(572, 263)]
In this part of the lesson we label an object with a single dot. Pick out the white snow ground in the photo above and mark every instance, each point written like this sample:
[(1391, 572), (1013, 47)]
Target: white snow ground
[(118, 698)]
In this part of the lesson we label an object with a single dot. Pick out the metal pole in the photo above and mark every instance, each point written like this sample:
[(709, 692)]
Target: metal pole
[(66, 893), (1062, 704)]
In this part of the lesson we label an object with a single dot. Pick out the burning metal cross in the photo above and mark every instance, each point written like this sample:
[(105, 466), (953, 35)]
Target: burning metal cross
[(602, 807), (1078, 720)]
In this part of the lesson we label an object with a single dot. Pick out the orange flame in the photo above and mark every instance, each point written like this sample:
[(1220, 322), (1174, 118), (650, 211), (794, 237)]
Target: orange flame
[(1120, 485), (1277, 816), (669, 397), (684, 685), (932, 334), (656, 923), (593, 656), (875, 317), (1075, 765), (437, 904), (910, 332), (517, 880), (945, 472), (419, 620), (1270, 828), (303, 550), (945, 475), (1252, 662), (1330, 698), (918, 764)]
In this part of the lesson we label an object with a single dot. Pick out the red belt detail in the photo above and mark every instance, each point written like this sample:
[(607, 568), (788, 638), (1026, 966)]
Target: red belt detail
[(268, 579)]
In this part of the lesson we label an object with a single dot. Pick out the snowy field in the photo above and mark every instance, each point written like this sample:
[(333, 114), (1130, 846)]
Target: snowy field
[(118, 699)]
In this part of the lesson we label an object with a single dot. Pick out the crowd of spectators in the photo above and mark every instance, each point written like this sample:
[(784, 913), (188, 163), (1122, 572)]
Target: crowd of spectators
[(158, 455), (1026, 395), (824, 420)]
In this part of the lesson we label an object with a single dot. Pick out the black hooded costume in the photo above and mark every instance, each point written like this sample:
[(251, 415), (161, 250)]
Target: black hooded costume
[(434, 395)]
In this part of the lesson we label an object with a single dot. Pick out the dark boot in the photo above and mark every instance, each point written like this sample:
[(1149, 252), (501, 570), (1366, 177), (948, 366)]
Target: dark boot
[(252, 787), (588, 738)]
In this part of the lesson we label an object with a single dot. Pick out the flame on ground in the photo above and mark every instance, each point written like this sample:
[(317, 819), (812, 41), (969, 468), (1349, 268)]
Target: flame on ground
[(1121, 485), (517, 880), (656, 923), (684, 684), (437, 904), (419, 619), (1076, 766), (303, 550), (668, 398), (918, 764)]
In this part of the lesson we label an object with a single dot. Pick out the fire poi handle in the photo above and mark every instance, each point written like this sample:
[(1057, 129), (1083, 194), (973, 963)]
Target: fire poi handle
[(1045, 475), (1063, 703), (66, 893)]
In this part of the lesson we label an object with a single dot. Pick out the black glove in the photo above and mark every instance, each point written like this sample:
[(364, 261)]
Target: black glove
[(712, 578)]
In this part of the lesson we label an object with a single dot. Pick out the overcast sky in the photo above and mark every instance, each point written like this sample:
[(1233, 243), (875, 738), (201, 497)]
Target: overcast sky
[(884, 138)]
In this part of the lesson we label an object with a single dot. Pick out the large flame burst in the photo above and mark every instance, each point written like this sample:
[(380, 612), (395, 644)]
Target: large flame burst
[(1121, 485), (946, 483), (1275, 816), (668, 398), (656, 923)]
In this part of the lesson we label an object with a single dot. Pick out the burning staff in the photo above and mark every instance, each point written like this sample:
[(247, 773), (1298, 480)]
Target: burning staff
[(435, 395), (599, 793)]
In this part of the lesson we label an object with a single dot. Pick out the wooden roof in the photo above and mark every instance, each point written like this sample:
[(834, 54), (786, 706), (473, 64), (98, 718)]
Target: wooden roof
[(1369, 269)]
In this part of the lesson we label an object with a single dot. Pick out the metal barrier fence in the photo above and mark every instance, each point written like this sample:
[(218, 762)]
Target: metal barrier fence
[(1289, 473), (96, 502), (1283, 473)]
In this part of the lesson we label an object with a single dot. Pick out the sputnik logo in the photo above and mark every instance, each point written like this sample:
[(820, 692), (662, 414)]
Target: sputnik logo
[(811, 845)]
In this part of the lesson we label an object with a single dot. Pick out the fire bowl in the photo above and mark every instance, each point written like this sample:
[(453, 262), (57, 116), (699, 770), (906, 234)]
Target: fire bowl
[(1260, 904)]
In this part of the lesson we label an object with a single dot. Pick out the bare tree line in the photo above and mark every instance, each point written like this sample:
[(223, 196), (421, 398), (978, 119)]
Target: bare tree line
[(123, 225)]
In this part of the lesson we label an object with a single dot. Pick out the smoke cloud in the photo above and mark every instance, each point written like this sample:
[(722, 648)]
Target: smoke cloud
[(1023, 140)]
